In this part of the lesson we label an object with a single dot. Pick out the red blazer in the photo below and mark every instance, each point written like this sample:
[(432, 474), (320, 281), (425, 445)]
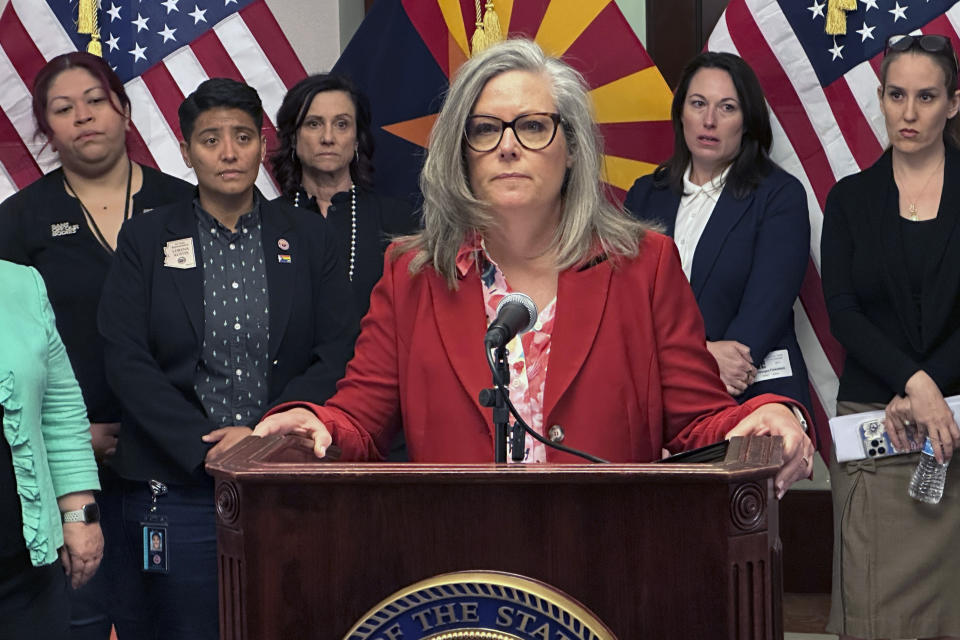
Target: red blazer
[(628, 375)]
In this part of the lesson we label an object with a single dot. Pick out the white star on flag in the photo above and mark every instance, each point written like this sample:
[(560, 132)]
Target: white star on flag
[(167, 33), (138, 52), (198, 14), (141, 23), (114, 12), (898, 12), (866, 32), (171, 5), (836, 50), (816, 9)]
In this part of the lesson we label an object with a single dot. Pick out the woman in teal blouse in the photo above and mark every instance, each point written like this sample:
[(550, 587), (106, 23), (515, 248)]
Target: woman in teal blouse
[(48, 529)]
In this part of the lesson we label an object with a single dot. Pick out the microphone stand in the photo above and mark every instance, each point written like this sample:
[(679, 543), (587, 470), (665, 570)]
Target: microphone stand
[(498, 398), (494, 397)]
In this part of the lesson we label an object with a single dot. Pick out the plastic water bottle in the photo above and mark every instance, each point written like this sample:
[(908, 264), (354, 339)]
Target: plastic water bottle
[(929, 477)]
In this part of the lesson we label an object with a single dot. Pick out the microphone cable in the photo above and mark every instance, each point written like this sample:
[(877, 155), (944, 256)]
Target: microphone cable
[(501, 387)]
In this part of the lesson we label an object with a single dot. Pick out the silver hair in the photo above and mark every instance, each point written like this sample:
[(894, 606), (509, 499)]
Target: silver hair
[(589, 222)]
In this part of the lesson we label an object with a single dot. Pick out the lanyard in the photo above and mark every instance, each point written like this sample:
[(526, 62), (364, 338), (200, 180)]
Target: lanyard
[(86, 213)]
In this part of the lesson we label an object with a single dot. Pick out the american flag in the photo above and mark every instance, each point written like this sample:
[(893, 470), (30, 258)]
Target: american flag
[(822, 93), (161, 50)]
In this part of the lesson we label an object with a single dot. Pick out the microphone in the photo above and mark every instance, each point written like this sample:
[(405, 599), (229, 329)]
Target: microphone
[(516, 314)]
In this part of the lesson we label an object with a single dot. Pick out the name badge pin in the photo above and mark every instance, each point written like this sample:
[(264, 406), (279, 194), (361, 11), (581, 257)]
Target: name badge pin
[(63, 229), (179, 254)]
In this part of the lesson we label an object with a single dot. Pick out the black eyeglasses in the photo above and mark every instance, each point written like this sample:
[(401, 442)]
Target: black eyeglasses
[(534, 131), (931, 43)]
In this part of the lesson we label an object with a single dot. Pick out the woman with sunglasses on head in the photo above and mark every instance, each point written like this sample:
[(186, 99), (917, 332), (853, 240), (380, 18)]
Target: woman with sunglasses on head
[(740, 223), (615, 364), (891, 278), (65, 225), (324, 163)]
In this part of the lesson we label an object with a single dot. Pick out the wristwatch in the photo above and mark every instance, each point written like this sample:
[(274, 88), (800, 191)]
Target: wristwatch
[(800, 418), (87, 513)]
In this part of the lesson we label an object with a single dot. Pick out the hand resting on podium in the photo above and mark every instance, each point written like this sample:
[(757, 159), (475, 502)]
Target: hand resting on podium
[(768, 420)]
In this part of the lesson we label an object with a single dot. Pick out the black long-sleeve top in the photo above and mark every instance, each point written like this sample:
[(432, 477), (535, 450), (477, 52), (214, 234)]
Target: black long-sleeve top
[(43, 226), (873, 311), (379, 219)]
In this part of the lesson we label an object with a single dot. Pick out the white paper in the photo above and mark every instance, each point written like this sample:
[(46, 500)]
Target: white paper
[(775, 365), (847, 440)]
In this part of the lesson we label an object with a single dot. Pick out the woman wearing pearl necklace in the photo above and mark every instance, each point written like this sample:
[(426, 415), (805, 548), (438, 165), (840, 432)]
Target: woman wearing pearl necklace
[(324, 163)]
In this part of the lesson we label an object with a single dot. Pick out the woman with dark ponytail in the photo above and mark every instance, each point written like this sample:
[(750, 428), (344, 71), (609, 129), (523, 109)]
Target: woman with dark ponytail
[(891, 278)]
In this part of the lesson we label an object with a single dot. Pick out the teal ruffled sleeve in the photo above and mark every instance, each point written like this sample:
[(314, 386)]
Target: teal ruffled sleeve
[(24, 469), (44, 419)]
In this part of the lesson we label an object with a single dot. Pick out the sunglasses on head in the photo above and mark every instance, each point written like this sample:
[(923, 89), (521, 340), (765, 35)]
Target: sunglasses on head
[(931, 43)]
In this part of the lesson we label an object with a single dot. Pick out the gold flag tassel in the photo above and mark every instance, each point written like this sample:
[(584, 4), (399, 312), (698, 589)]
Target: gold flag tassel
[(479, 40), (491, 25), (488, 30), (837, 16), (87, 23)]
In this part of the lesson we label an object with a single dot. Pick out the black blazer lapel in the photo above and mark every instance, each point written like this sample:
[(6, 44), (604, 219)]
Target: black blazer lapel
[(285, 256), (187, 282), (726, 214), (942, 272)]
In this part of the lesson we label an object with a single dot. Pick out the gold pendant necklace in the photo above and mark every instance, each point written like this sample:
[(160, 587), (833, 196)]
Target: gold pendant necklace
[(912, 212)]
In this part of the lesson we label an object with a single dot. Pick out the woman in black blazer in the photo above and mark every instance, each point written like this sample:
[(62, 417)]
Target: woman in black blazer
[(891, 278), (740, 223)]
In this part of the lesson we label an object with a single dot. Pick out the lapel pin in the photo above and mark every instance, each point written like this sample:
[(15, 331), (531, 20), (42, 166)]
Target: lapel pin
[(284, 258), (283, 244)]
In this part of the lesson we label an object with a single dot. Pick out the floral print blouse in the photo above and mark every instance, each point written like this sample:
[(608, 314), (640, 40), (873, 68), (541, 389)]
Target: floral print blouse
[(527, 354)]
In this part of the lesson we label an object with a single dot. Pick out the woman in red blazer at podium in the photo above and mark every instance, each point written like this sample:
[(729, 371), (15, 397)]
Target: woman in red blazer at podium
[(616, 364)]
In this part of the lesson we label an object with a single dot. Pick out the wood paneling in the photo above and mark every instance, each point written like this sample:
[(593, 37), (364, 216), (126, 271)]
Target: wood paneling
[(677, 30), (655, 551)]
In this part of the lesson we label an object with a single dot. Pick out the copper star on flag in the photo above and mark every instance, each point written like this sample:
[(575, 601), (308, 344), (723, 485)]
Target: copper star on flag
[(406, 51)]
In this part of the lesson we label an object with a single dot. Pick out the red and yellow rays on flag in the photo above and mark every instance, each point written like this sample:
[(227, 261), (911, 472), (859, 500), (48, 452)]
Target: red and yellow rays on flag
[(630, 97)]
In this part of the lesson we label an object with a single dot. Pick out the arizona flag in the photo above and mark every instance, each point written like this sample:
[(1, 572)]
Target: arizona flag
[(406, 51)]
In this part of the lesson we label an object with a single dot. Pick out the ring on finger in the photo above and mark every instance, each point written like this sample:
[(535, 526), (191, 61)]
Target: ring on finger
[(906, 423)]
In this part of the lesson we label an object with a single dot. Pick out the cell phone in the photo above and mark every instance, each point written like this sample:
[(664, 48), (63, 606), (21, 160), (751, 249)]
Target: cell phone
[(876, 441), (715, 452)]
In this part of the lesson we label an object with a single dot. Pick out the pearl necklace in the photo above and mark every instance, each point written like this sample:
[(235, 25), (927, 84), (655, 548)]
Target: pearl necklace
[(353, 225)]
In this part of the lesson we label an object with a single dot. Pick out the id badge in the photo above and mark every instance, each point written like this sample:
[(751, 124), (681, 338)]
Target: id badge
[(154, 528), (156, 549)]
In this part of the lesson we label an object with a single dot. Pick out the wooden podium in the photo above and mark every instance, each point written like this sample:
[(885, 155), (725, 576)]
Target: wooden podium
[(656, 551)]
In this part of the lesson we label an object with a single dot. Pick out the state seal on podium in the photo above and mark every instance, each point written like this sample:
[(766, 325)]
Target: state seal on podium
[(479, 605)]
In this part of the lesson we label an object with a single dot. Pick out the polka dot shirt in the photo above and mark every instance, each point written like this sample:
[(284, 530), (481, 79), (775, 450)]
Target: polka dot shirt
[(231, 378)]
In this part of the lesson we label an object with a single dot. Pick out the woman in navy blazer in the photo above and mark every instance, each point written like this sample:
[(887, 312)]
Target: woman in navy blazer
[(747, 265)]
